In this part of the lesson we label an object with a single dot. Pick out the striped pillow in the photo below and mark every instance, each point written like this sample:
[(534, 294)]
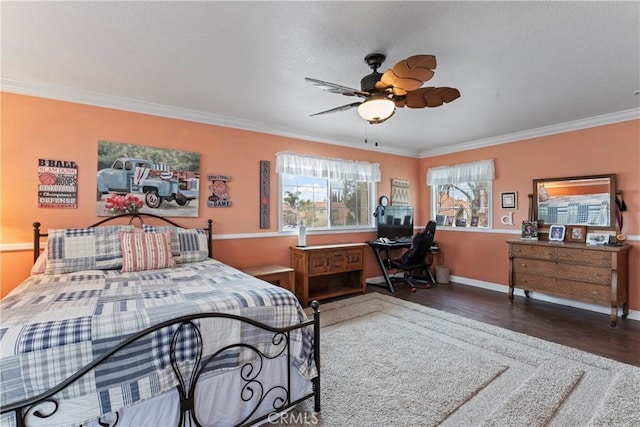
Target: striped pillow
[(146, 251), (187, 244)]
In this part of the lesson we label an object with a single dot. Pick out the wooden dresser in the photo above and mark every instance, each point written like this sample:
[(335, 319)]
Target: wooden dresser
[(328, 271), (590, 273)]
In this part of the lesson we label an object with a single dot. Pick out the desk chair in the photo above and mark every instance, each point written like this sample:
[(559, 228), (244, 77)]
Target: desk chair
[(416, 259)]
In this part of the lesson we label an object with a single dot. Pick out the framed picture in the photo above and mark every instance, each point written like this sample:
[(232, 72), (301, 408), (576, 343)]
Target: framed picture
[(448, 220), (597, 238), (509, 200), (400, 192), (440, 220), (556, 232), (576, 233), (461, 222), (474, 220), (165, 181), (529, 230)]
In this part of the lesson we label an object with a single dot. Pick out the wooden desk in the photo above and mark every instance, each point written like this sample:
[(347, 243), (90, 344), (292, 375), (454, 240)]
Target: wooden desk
[(274, 274), (328, 271), (384, 264)]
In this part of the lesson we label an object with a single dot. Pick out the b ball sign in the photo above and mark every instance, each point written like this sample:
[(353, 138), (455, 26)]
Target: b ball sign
[(57, 184)]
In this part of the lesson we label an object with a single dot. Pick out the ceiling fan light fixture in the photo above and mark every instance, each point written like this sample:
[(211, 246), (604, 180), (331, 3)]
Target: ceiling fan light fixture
[(377, 109)]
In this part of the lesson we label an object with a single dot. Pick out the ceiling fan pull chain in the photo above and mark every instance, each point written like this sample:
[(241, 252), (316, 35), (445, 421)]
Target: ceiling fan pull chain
[(376, 137), (366, 140)]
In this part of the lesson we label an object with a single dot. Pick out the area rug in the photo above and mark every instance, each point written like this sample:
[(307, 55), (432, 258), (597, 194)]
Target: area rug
[(389, 362)]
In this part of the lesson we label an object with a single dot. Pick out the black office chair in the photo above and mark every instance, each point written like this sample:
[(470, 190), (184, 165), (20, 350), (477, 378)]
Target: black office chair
[(416, 258)]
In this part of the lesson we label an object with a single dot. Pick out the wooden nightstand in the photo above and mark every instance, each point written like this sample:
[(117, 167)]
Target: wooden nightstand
[(275, 274)]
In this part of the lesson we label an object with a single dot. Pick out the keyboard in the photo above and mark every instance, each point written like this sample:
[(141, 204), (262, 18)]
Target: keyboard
[(403, 240)]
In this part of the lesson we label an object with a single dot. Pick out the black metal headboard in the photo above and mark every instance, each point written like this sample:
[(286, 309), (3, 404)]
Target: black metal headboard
[(37, 235)]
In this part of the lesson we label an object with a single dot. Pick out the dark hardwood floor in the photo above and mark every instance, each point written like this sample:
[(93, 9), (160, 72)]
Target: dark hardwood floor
[(582, 329)]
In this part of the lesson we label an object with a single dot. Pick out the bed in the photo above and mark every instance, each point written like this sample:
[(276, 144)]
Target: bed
[(131, 322)]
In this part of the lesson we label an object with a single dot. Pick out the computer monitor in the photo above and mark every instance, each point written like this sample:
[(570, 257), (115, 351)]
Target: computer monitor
[(395, 221)]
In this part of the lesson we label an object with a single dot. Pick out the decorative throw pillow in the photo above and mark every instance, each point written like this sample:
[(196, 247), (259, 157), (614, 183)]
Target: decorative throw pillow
[(146, 251), (78, 249), (40, 266), (187, 244)]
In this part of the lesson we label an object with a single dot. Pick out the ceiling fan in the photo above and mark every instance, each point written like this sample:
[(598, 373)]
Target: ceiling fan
[(399, 86)]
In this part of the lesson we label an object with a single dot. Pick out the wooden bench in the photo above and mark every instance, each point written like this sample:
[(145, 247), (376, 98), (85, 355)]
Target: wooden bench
[(275, 274)]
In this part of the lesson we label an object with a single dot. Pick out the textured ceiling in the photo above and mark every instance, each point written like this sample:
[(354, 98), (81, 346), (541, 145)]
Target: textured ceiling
[(520, 66)]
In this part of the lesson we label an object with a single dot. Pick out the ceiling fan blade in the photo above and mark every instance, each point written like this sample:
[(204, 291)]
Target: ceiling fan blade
[(408, 74), (335, 88), (428, 97), (427, 61), (337, 109)]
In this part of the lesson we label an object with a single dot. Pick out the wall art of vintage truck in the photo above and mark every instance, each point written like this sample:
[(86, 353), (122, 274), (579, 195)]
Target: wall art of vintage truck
[(155, 181)]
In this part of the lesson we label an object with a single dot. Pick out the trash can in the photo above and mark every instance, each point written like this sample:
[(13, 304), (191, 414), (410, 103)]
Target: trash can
[(442, 275)]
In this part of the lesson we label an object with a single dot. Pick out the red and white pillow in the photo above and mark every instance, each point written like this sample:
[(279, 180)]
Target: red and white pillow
[(146, 251)]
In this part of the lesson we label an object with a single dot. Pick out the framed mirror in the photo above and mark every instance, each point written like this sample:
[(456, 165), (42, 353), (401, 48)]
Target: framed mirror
[(579, 200)]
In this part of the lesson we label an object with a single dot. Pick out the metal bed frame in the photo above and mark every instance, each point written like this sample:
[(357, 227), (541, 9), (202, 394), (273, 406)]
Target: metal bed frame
[(279, 396)]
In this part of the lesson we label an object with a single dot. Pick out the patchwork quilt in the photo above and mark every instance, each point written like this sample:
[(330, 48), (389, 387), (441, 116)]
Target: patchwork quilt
[(52, 325)]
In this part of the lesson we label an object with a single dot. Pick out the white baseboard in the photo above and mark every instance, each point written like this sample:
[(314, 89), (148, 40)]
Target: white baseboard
[(633, 314)]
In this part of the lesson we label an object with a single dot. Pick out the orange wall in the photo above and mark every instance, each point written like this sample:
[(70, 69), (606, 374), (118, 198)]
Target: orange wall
[(35, 128), (601, 150)]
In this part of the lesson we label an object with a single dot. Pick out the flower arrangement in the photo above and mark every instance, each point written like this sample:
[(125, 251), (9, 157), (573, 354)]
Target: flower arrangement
[(117, 204)]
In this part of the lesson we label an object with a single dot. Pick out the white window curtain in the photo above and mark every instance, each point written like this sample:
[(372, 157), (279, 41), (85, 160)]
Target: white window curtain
[(322, 167), (482, 170)]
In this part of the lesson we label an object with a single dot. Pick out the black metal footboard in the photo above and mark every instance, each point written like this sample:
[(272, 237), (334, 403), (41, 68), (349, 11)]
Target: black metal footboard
[(277, 397)]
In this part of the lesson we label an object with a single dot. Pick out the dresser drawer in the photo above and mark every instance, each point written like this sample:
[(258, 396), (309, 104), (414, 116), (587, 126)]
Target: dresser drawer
[(535, 266), (535, 252), (534, 282), (584, 256), (583, 273), (572, 289)]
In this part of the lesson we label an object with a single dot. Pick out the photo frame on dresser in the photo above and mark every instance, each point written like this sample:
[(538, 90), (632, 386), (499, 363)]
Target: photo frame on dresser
[(556, 233), (597, 238), (576, 233), (529, 230)]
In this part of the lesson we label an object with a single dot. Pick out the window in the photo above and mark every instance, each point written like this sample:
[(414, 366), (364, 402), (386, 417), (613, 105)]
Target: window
[(461, 194), (465, 204), (326, 193)]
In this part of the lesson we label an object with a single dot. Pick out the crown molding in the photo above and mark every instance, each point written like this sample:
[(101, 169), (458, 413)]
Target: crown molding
[(107, 101), (606, 119)]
